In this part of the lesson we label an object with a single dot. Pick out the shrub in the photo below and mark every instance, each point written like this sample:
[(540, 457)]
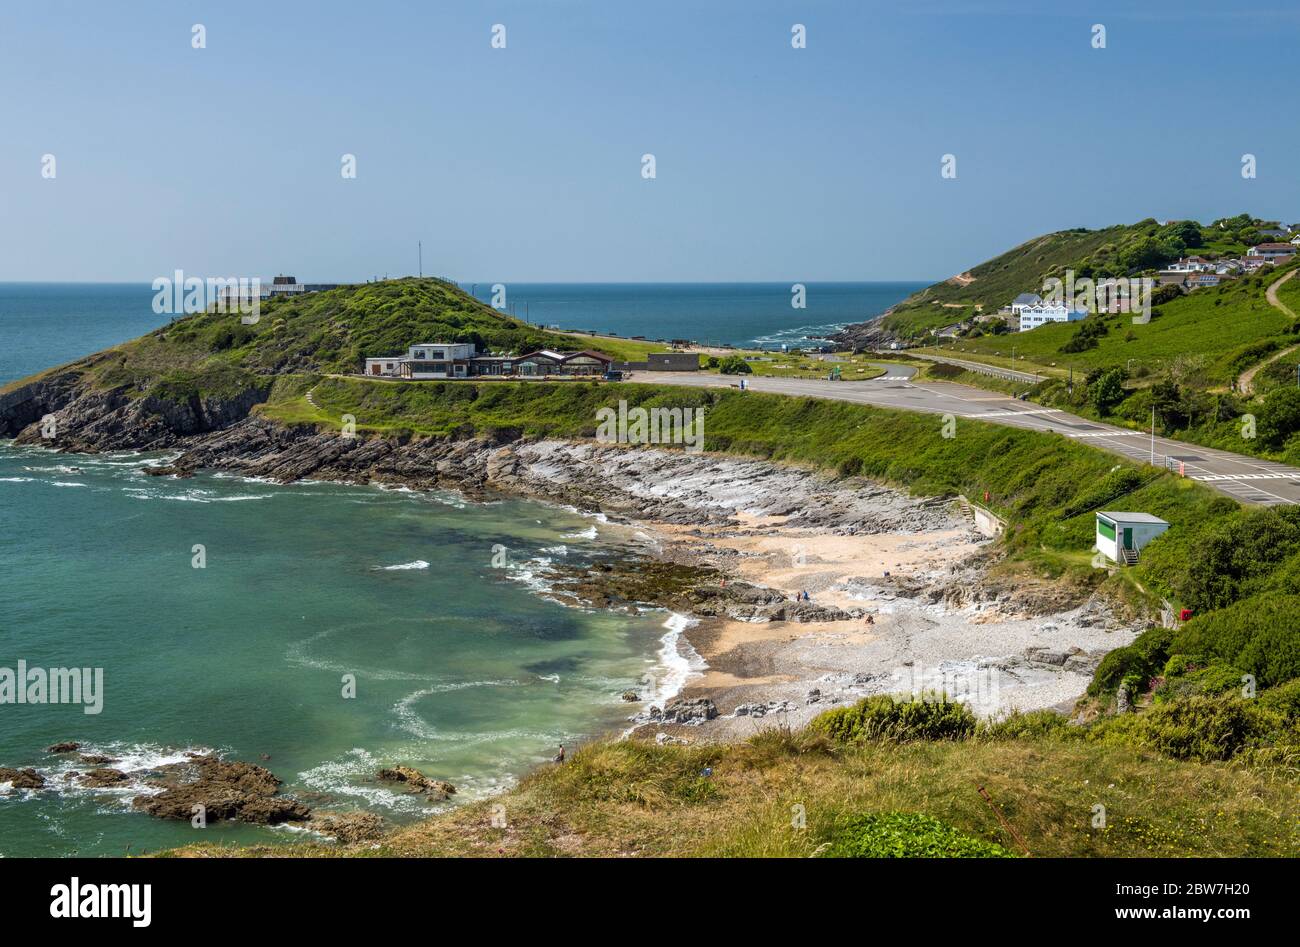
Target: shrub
[(1143, 659), (1018, 725), (735, 365), (885, 718), (905, 835), (1194, 728), (1283, 700), (1258, 635)]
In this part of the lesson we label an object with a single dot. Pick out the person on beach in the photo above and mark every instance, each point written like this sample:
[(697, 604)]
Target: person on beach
[(559, 757)]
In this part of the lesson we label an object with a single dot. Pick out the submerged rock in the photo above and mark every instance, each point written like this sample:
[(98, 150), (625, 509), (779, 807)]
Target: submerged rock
[(96, 759), (22, 778), (225, 789), (416, 781), (102, 778), (63, 748)]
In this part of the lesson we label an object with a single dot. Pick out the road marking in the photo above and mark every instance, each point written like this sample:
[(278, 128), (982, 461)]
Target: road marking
[(1264, 476)]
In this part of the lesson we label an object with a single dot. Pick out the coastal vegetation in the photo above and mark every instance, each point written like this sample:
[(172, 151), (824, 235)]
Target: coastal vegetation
[(789, 793)]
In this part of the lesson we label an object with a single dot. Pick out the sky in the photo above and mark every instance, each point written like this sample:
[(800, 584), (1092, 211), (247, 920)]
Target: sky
[(525, 163)]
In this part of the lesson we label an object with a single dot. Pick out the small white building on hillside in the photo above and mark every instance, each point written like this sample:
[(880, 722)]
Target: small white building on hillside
[(1121, 536)]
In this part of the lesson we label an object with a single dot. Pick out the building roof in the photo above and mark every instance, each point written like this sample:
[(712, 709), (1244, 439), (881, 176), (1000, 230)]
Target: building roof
[(1271, 246), (1027, 299), (1132, 517)]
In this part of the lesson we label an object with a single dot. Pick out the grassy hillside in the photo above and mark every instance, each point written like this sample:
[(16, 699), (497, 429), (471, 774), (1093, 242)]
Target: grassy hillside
[(1121, 250), (331, 331)]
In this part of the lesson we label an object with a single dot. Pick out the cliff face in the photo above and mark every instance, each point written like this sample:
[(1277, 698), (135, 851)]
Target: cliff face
[(64, 412)]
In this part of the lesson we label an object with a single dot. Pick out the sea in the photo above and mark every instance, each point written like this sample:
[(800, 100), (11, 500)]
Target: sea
[(750, 315), (321, 630)]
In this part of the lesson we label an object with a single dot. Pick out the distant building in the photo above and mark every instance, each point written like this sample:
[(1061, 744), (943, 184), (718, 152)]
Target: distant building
[(1272, 250), (1031, 317), (1191, 264), (283, 286), (661, 362), (1025, 299), (1197, 280), (443, 360)]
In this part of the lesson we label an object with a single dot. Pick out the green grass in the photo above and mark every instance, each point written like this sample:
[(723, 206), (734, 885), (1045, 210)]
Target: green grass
[(801, 365)]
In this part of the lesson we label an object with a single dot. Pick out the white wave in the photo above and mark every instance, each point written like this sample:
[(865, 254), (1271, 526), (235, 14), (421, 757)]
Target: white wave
[(556, 550), (417, 564), (589, 533), (354, 776), (679, 663), (17, 479), (416, 725), (65, 483)]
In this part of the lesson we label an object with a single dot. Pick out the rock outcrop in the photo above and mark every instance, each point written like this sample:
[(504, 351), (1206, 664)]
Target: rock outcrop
[(415, 781), (225, 789), (22, 778)]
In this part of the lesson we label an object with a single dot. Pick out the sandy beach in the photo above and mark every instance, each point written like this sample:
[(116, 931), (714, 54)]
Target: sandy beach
[(925, 617)]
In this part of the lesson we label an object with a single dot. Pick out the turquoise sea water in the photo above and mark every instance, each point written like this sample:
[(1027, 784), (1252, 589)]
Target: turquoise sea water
[(462, 669)]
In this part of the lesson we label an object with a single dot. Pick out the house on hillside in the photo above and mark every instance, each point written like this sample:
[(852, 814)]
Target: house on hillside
[(1198, 280), (1191, 264), (1272, 250), (1025, 299)]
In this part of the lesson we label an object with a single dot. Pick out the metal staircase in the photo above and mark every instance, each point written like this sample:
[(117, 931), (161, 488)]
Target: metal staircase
[(1130, 556)]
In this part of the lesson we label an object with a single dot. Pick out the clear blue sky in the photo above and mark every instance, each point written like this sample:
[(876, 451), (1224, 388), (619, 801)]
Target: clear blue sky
[(524, 163)]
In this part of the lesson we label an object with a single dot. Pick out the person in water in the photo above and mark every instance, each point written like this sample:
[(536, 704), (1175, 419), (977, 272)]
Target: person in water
[(559, 757)]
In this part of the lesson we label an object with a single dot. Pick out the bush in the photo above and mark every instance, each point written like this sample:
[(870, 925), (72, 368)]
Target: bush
[(1186, 676), (906, 835), (1194, 728), (1021, 726), (735, 365), (885, 718), (1143, 659), (1259, 635)]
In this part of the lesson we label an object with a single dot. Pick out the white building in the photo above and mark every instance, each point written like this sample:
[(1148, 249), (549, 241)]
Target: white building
[(1031, 317), (1024, 300), (1191, 264), (1270, 250), (1121, 536)]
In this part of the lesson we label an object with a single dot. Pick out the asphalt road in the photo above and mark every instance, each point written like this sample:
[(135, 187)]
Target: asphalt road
[(1010, 374), (1243, 478)]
